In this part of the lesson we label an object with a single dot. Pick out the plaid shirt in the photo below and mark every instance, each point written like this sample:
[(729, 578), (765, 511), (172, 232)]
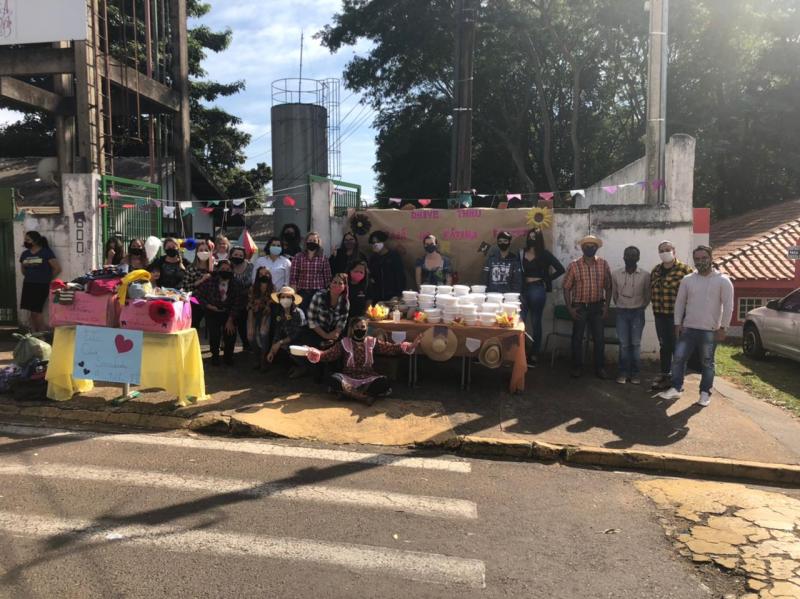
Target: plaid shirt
[(193, 276), (664, 285), (590, 282), (322, 315), (288, 328), (310, 273), (235, 301)]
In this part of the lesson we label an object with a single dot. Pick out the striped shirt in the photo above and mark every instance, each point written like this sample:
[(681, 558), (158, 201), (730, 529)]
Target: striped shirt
[(664, 284), (589, 281)]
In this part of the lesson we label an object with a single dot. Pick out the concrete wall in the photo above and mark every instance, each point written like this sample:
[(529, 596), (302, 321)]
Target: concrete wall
[(330, 228), (77, 245), (634, 194)]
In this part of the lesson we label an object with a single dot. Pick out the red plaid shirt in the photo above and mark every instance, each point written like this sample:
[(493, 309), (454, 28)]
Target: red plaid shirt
[(590, 282), (310, 273)]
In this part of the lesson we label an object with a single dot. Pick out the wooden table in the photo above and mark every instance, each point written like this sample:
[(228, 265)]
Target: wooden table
[(511, 339)]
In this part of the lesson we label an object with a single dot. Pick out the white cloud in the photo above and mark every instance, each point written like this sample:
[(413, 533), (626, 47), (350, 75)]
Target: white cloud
[(9, 116), (266, 48)]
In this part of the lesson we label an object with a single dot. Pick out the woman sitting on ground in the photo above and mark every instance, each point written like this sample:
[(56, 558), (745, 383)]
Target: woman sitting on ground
[(359, 380), (289, 323), (259, 313)]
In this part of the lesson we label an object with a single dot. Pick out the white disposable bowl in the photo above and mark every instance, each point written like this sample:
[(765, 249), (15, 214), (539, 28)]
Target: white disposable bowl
[(444, 289), (433, 311), (434, 319), (446, 300), (447, 319), (510, 309), (479, 289), (427, 289), (468, 309), (511, 297), (299, 350), (470, 322), (490, 307), (479, 298), (494, 298), (461, 289)]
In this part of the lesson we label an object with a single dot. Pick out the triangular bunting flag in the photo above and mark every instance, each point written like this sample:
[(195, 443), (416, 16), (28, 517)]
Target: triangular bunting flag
[(214, 203), (185, 205), (115, 195), (103, 205), (169, 211), (289, 201), (188, 211), (424, 202), (128, 206), (207, 210), (579, 192), (610, 189), (236, 211), (19, 216), (546, 195), (397, 201), (156, 203), (238, 201), (513, 196), (226, 209)]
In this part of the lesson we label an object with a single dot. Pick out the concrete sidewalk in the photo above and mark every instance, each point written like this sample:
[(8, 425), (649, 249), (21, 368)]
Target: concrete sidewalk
[(555, 409)]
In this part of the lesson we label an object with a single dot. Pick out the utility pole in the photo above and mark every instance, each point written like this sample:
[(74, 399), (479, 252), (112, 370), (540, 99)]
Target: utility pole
[(461, 153), (655, 142)]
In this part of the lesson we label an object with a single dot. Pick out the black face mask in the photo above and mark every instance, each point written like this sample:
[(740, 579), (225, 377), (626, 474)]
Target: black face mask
[(264, 280), (359, 334), (171, 252), (237, 260), (27, 245), (503, 245), (312, 246), (531, 242), (289, 236), (225, 275), (136, 251), (630, 263)]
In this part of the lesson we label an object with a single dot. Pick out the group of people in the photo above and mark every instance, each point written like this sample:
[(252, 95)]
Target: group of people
[(296, 295), (691, 309)]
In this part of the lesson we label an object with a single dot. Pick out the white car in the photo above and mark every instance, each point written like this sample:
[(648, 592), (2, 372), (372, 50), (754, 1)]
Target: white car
[(774, 328)]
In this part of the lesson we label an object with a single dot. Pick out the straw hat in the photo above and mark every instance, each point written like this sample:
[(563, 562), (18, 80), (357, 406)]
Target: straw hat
[(491, 354), (591, 239), (439, 343), (287, 291)]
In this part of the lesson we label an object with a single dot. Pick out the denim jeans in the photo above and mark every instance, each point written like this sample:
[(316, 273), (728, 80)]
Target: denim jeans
[(533, 300), (630, 324), (665, 329), (688, 341), (591, 316)]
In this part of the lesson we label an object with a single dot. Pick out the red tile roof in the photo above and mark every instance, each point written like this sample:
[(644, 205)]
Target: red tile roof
[(753, 246)]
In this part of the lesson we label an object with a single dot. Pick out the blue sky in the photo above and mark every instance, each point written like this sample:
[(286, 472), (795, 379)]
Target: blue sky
[(266, 47)]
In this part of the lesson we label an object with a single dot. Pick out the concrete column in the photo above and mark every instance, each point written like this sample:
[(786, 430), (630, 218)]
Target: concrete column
[(656, 99)]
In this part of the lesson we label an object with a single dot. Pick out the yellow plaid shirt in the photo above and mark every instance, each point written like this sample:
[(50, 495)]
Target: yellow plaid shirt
[(664, 285)]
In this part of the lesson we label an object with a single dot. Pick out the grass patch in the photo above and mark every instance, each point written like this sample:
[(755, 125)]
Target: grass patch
[(773, 379)]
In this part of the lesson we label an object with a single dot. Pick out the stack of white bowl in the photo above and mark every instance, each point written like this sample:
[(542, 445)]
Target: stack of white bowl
[(409, 302), (460, 290), (428, 289), (444, 289), (487, 318), (448, 305), (426, 301), (511, 298), (469, 314), (434, 315), (494, 298), (493, 307), (479, 289)]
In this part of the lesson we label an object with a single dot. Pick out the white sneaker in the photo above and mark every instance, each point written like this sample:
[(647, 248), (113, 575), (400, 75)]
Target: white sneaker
[(705, 399), (622, 380), (671, 393)]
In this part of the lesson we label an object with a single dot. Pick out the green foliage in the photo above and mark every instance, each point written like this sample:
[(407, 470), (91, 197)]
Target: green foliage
[(560, 92)]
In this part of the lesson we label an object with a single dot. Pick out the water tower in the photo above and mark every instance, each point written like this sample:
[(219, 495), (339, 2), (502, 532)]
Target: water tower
[(305, 141)]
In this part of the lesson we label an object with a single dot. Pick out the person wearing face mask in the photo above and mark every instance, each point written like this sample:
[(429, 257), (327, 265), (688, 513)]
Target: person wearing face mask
[(278, 265), (198, 272), (665, 279), (39, 266), (224, 301), (289, 323), (539, 269), (243, 273), (311, 271), (358, 379), (290, 238), (172, 265), (358, 288), (346, 255), (703, 311), (587, 294), (259, 315), (387, 275), (136, 259), (502, 272), (631, 294), (433, 268)]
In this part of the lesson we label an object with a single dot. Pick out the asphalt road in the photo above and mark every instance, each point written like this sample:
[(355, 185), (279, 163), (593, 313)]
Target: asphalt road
[(148, 515)]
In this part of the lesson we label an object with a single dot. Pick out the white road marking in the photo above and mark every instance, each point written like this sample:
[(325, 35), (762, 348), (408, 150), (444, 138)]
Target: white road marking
[(256, 448), (424, 567), (422, 505)]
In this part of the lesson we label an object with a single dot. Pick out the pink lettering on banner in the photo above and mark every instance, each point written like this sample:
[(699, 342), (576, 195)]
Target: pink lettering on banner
[(459, 234), (420, 214), (519, 232), (473, 213)]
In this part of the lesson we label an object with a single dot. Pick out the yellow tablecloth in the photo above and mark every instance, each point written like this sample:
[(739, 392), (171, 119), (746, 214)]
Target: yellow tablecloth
[(169, 361)]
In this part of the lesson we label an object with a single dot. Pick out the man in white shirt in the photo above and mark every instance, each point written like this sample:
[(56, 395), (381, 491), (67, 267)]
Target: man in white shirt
[(703, 311), (277, 264)]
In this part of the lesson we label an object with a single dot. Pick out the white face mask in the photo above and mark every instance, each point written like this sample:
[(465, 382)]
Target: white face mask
[(377, 246), (203, 256), (666, 257), (287, 302)]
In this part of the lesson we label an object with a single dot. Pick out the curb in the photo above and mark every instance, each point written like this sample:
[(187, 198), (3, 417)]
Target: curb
[(469, 445)]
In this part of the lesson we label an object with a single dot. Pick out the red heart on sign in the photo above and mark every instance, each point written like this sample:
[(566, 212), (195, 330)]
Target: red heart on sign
[(123, 345), (424, 201)]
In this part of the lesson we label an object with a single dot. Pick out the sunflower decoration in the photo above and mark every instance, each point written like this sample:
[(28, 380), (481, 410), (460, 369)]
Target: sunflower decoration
[(360, 224), (160, 311), (541, 218)]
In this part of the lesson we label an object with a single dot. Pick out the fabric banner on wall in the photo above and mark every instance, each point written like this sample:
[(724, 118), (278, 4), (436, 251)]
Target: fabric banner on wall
[(460, 234)]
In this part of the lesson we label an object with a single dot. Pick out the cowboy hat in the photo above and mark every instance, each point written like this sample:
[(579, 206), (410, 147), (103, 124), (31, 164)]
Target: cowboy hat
[(591, 239), (439, 343), (276, 297), (491, 354)]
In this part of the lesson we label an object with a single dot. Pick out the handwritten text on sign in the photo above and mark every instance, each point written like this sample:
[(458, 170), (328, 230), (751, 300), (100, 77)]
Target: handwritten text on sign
[(104, 354)]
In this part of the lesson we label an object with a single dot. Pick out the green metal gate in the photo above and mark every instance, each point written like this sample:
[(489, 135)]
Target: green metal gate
[(129, 211), (345, 195), (8, 259)]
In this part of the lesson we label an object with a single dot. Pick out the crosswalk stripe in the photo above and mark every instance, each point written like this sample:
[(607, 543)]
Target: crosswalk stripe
[(444, 463), (413, 565), (438, 507)]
